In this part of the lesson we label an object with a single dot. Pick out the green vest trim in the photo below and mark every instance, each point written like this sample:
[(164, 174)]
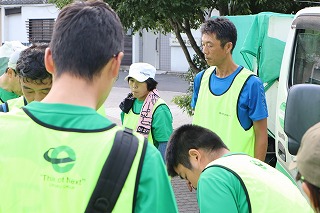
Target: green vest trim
[(219, 113), (131, 120), (262, 182)]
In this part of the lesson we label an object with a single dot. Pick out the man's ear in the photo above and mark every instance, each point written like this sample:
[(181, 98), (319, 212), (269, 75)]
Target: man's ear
[(115, 66), (228, 47), (48, 61), (10, 72), (194, 156)]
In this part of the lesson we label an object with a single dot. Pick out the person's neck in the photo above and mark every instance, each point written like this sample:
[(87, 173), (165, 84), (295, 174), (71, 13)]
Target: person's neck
[(224, 70), (217, 154), (72, 90)]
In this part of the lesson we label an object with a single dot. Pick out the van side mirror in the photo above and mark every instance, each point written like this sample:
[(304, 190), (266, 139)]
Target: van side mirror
[(302, 112)]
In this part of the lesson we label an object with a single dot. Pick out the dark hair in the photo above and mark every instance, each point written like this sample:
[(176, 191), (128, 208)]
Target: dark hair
[(223, 28), (314, 192), (30, 65), (151, 83), (189, 137), (86, 35)]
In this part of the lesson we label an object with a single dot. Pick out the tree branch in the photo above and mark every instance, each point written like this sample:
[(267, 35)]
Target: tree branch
[(193, 42), (185, 50)]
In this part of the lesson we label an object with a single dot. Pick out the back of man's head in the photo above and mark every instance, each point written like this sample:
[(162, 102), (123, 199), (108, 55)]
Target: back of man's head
[(85, 37), (188, 137), (30, 65)]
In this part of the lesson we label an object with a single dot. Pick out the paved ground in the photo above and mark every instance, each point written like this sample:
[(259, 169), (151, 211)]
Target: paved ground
[(170, 85)]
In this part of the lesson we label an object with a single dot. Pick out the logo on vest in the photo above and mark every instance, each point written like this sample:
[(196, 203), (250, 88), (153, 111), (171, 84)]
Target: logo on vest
[(62, 158), (258, 163), (224, 114)]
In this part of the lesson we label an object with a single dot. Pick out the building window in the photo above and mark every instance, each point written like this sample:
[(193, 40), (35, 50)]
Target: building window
[(39, 30)]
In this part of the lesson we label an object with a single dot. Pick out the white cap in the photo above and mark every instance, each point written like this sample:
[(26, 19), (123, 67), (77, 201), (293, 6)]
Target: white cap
[(141, 72), (12, 63), (10, 47)]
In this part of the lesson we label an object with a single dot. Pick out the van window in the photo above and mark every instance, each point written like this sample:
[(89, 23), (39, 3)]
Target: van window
[(306, 60)]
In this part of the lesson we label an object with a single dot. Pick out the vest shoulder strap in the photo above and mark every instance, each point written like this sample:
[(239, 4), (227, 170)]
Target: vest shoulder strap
[(114, 172)]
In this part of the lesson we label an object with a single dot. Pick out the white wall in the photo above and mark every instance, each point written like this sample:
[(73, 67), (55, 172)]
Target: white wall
[(178, 59), (14, 26), (135, 47)]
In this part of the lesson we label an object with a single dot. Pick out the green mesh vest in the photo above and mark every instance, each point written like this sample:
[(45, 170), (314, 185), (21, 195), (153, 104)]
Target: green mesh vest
[(131, 120), (58, 170), (16, 103), (267, 189), (219, 113)]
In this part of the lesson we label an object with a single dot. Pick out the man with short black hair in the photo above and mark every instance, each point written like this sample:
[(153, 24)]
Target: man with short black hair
[(226, 181), (228, 98), (34, 79), (63, 158)]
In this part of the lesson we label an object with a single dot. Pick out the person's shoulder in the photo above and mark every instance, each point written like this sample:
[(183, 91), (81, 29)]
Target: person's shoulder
[(162, 104), (152, 156), (254, 81), (200, 74), (152, 151), (14, 116), (218, 172)]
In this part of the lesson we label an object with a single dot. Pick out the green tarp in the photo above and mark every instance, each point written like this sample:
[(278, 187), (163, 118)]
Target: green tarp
[(266, 50), (255, 50)]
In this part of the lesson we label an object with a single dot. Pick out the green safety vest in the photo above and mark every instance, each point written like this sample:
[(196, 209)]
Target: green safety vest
[(267, 189), (102, 111), (131, 119), (54, 170), (219, 113), (16, 103)]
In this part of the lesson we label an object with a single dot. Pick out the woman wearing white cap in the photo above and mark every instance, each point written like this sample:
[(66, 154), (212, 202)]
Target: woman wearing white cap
[(308, 165), (143, 110)]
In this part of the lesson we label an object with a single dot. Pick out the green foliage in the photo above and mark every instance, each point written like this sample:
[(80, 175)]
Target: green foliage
[(184, 101), (176, 16), (60, 3), (156, 15), (191, 73)]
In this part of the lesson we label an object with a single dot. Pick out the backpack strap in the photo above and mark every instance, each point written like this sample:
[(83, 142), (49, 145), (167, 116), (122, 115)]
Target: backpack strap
[(144, 149), (114, 172), (4, 107)]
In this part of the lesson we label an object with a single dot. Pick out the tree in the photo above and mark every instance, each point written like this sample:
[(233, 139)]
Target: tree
[(181, 16), (165, 16)]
